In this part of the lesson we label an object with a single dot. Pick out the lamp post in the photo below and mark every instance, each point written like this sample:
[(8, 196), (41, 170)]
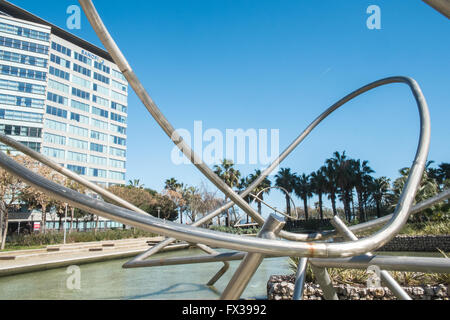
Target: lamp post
[(159, 209)]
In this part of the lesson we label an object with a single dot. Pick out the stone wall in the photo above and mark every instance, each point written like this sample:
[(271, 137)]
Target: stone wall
[(282, 288), (426, 243)]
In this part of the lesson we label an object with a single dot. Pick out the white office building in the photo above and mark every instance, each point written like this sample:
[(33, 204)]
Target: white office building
[(62, 96)]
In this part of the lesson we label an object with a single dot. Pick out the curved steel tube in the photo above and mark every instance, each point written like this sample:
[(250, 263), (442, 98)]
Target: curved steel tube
[(196, 235), (286, 192), (265, 246), (120, 60)]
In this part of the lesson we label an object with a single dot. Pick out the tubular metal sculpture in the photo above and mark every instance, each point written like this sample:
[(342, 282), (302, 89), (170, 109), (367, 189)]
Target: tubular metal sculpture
[(353, 253)]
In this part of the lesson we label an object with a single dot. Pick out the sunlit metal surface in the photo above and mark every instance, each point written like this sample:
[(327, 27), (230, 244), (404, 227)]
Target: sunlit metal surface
[(253, 250)]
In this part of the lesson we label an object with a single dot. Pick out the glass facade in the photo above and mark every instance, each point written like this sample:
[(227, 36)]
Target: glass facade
[(63, 100)]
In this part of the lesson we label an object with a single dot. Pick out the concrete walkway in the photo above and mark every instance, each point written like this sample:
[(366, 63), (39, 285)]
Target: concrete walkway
[(56, 256)]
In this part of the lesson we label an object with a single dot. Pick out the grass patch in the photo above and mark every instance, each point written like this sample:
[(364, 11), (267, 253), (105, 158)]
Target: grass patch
[(252, 230), (359, 277), (38, 240)]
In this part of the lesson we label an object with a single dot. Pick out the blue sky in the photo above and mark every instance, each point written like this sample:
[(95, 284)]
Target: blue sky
[(277, 65)]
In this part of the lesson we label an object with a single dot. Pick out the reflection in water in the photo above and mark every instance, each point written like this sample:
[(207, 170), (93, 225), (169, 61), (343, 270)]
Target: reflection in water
[(107, 280)]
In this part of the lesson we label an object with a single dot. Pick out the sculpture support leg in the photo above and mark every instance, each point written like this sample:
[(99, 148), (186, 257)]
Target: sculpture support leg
[(251, 262), (324, 280), (386, 277), (300, 278)]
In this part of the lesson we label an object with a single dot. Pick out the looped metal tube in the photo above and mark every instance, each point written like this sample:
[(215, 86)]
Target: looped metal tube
[(235, 198), (264, 246), (197, 235)]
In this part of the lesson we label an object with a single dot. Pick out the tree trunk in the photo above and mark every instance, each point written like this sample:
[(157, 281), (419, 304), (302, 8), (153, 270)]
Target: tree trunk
[(288, 205), (60, 223), (320, 206), (305, 206), (333, 203), (361, 209), (96, 225), (227, 222), (4, 224), (378, 209), (44, 219), (181, 216)]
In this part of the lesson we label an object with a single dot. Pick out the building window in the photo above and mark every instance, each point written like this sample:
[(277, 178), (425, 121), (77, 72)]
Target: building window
[(101, 161), (21, 86), (118, 129), (79, 131), (57, 98), (79, 118), (118, 118), (59, 73), (117, 140), (55, 139), (55, 125), (82, 58), (101, 78), (81, 82), (23, 73), (61, 61), (101, 67), (81, 70), (114, 175), (99, 173), (77, 169), (117, 152), (23, 45), (81, 94), (99, 136), (58, 86), (75, 156), (57, 112), (79, 144), (22, 131), (24, 59), (21, 101), (20, 116), (100, 112), (62, 49), (98, 147), (54, 153), (24, 32)]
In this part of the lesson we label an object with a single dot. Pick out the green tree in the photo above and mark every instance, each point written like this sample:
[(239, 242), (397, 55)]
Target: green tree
[(344, 174), (261, 189), (362, 181), (380, 190), (318, 183), (10, 189), (230, 176), (286, 179), (427, 189), (302, 189)]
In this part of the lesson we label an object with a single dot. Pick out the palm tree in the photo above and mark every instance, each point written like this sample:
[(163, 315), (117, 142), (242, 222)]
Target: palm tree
[(344, 179), (230, 176), (380, 187), (285, 179), (172, 184), (243, 184), (330, 184), (362, 181), (264, 185), (136, 183), (318, 183), (302, 189)]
